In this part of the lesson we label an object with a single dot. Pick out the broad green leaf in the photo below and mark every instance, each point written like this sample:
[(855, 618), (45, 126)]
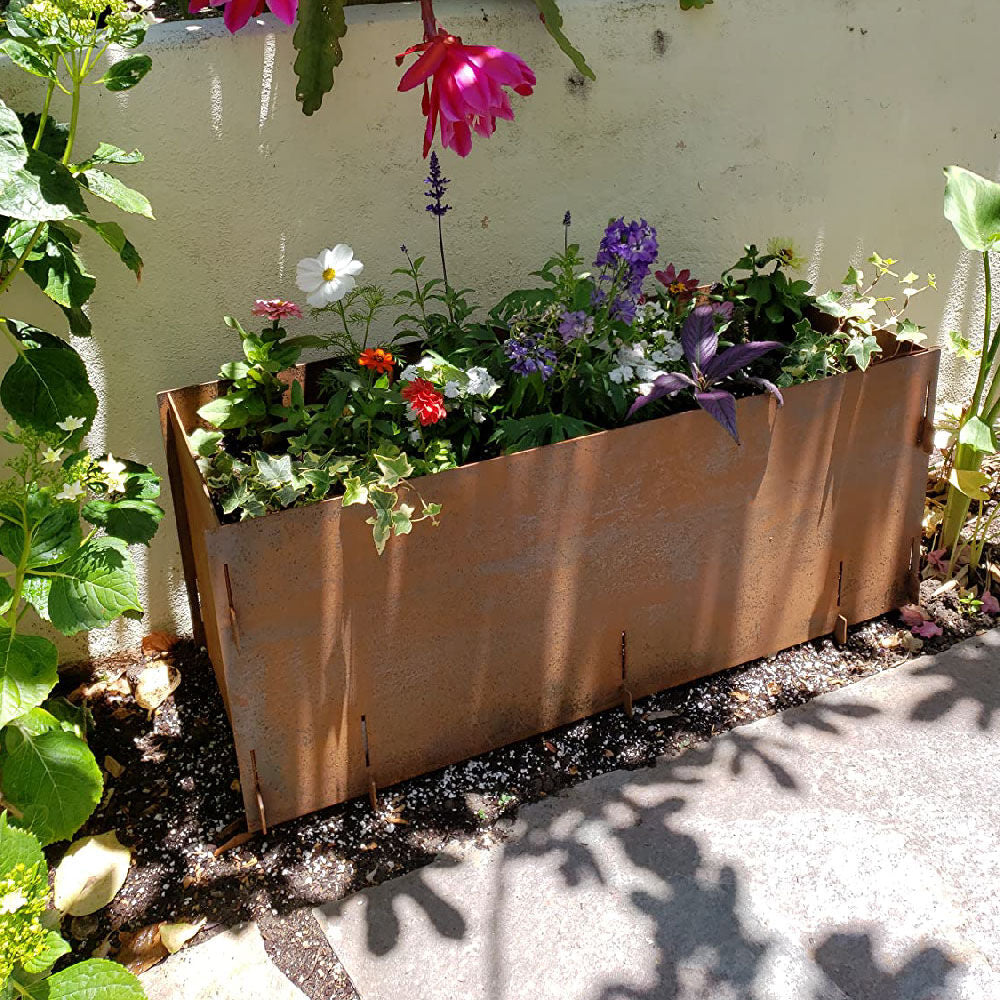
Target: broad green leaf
[(6, 595), (60, 273), (126, 73), (93, 587), (112, 190), (862, 349), (94, 979), (115, 237), (55, 948), (52, 779), (13, 148), (962, 346), (320, 27), (970, 483), (43, 190), (976, 433), (36, 593), (829, 302), (36, 722), (18, 847), (25, 56), (354, 491), (78, 320), (910, 332), (107, 153), (233, 370), (47, 384), (204, 443), (548, 11), (27, 673), (393, 469), (972, 206), (274, 470), (855, 276), (54, 536), (226, 412), (402, 523), (133, 521)]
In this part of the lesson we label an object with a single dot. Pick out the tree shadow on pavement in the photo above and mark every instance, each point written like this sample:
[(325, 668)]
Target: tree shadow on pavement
[(970, 676)]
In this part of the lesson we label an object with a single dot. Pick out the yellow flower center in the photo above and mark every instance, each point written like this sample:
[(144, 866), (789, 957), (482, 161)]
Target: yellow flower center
[(329, 274)]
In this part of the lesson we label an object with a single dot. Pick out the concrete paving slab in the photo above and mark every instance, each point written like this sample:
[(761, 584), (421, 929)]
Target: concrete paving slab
[(845, 849), (230, 966)]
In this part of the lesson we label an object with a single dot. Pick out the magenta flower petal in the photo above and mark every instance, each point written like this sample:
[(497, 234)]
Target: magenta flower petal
[(284, 10), (238, 12)]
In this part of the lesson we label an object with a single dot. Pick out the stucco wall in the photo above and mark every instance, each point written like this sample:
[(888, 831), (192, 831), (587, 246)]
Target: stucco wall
[(824, 120)]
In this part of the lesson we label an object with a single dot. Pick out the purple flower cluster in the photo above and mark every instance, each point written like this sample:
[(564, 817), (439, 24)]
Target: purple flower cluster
[(437, 188), (625, 256), (575, 325), (528, 355)]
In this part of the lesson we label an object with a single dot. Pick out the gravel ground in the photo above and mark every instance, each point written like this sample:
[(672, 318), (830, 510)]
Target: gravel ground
[(177, 800)]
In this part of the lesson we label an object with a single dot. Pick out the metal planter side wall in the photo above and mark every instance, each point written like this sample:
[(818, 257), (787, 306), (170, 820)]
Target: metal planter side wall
[(342, 669)]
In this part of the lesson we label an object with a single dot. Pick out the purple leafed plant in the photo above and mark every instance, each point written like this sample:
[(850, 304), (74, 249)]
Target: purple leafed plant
[(700, 340)]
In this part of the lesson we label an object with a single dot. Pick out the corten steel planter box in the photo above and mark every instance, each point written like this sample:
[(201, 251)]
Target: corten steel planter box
[(342, 671)]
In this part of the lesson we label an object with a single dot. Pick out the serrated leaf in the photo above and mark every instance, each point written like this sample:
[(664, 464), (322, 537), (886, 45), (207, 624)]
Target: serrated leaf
[(53, 781), (115, 237), (55, 535), (972, 206), (26, 56), (18, 847), (90, 874), (320, 27), (36, 593), (551, 17), (133, 521), (27, 673), (43, 190), (112, 190), (93, 587), (55, 948), (94, 979), (13, 148), (59, 272), (47, 383), (126, 73)]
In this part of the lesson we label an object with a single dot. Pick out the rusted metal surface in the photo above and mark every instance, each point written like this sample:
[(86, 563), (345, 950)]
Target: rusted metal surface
[(344, 671)]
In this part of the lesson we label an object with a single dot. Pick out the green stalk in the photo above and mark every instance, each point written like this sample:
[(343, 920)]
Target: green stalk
[(45, 114), (989, 349), (22, 569)]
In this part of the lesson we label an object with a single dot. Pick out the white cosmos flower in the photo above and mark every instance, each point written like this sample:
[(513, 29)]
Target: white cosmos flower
[(71, 423), (71, 491), (328, 277)]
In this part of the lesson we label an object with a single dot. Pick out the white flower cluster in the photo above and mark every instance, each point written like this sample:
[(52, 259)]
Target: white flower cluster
[(457, 384), (641, 363)]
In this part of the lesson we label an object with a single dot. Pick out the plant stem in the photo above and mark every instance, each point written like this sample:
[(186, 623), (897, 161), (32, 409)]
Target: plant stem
[(73, 119), (45, 114), (20, 989), (986, 358), (430, 22), (444, 271)]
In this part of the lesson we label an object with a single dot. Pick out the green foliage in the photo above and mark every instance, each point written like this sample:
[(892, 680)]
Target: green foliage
[(551, 17), (972, 206), (321, 26)]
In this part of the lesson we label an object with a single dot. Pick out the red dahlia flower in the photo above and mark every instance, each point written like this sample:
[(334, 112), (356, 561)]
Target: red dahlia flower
[(238, 12), (680, 285), (466, 92), (378, 359), (425, 401)]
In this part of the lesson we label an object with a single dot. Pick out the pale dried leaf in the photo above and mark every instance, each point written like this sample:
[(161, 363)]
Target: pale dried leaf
[(155, 684), (158, 642), (739, 695), (175, 936), (113, 767), (90, 874), (142, 949)]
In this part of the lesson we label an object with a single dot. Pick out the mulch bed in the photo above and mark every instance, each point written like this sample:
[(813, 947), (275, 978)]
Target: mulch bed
[(177, 798)]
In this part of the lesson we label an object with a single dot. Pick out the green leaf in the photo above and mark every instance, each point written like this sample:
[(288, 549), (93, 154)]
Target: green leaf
[(13, 149), (695, 4), (962, 346), (107, 153), (55, 535), (133, 521), (43, 190), (203, 442), (976, 433), (318, 31), (393, 469), (25, 56), (234, 370), (402, 523), (47, 383), (862, 349), (381, 527), (126, 73), (908, 332), (52, 779), (226, 412), (94, 979), (18, 847), (972, 206), (855, 276), (27, 673), (829, 302), (354, 491), (115, 237), (548, 12), (93, 587), (60, 273), (112, 190), (970, 483), (36, 593), (55, 948), (6, 595), (274, 470)]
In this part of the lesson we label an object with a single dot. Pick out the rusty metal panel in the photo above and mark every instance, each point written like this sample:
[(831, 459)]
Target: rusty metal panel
[(507, 620)]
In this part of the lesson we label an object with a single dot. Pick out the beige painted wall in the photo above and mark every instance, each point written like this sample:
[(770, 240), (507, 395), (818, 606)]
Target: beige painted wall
[(824, 120)]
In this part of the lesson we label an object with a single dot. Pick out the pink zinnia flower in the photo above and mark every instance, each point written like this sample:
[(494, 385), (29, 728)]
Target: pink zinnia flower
[(275, 309), (238, 12), (466, 92)]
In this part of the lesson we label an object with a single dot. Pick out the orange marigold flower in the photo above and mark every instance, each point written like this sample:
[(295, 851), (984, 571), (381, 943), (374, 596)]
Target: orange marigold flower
[(378, 359)]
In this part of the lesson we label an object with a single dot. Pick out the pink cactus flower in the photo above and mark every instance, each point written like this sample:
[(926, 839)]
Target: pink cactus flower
[(275, 309), (466, 87), (238, 12)]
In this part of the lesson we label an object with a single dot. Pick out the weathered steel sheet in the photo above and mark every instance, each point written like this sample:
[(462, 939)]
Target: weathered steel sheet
[(342, 668)]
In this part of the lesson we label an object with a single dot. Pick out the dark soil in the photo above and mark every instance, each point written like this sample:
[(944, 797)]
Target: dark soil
[(178, 798)]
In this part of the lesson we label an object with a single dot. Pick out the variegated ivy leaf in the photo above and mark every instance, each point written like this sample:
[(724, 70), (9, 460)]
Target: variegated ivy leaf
[(910, 332), (354, 491), (402, 523), (394, 469), (862, 349)]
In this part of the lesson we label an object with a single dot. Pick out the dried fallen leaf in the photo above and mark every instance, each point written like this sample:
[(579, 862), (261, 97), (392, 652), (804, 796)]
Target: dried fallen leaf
[(911, 643), (236, 786), (240, 838), (667, 713), (155, 684), (141, 949), (945, 587), (158, 642), (773, 687), (113, 767), (549, 745), (175, 936), (90, 874), (740, 695)]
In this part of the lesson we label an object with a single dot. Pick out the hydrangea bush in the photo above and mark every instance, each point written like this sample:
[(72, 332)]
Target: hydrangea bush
[(592, 346)]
